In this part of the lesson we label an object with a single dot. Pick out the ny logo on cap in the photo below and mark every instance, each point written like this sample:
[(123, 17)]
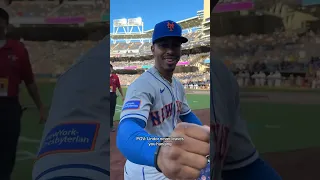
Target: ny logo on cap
[(170, 26)]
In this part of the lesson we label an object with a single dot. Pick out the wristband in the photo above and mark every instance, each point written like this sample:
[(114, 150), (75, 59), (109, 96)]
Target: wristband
[(156, 157)]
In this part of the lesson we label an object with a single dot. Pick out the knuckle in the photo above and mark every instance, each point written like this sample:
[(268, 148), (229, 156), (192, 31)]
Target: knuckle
[(173, 153)]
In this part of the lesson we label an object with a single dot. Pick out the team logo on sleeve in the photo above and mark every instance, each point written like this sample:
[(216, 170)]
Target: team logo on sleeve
[(131, 105)]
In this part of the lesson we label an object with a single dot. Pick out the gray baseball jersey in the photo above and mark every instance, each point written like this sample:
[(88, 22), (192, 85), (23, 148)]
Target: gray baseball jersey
[(159, 104), (231, 146), (75, 139)]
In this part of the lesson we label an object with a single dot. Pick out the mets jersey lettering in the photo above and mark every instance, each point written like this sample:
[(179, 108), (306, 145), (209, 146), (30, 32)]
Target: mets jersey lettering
[(231, 146), (157, 117), (220, 141), (155, 101)]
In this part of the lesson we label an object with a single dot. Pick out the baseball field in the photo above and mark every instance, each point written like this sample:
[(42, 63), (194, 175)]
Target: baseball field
[(283, 124)]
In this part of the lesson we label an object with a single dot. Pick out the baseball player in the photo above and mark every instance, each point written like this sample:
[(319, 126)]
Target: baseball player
[(75, 142), (152, 106), (234, 155)]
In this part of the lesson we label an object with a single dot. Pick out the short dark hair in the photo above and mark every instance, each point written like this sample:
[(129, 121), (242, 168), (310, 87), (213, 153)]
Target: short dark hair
[(4, 15)]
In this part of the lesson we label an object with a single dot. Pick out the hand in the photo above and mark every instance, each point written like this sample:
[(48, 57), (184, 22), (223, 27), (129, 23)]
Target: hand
[(185, 159), (43, 115), (122, 97)]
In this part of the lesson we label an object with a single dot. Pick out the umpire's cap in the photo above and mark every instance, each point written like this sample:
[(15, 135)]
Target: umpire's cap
[(167, 28)]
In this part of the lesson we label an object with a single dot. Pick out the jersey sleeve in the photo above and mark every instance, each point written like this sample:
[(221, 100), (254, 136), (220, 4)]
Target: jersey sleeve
[(138, 102)]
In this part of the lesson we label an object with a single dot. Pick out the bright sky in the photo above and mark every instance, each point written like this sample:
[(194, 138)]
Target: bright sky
[(153, 11)]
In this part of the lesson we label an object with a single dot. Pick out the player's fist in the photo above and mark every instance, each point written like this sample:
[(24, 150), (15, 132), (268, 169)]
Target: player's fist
[(185, 158)]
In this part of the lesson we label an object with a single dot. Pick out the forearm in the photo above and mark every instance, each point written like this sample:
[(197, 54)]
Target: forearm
[(191, 118), (120, 90), (135, 150), (34, 93)]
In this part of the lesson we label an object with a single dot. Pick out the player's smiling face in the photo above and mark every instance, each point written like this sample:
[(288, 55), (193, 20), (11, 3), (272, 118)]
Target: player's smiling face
[(167, 53)]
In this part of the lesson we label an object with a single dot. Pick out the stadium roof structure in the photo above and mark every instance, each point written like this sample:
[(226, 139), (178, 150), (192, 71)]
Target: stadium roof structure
[(185, 24)]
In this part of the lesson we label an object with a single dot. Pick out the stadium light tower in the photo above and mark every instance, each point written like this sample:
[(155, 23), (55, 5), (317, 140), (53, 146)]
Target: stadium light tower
[(128, 26), (120, 23), (135, 22)]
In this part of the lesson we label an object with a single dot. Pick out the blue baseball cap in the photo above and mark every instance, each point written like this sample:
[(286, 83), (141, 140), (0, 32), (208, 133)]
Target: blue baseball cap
[(168, 28)]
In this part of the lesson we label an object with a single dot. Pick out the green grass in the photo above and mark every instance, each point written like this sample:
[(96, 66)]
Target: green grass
[(31, 129), (280, 127), (274, 127)]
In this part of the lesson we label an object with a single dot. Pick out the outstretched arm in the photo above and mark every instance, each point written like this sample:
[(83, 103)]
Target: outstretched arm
[(134, 142), (191, 118)]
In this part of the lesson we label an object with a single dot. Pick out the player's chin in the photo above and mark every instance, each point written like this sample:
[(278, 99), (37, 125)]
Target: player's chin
[(170, 67)]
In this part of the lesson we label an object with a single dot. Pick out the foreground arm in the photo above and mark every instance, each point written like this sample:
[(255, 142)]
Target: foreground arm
[(191, 118), (134, 142)]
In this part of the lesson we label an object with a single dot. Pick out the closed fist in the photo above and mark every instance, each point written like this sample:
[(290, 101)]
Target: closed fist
[(184, 159)]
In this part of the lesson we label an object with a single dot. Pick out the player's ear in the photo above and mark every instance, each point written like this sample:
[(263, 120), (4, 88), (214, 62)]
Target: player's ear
[(152, 48)]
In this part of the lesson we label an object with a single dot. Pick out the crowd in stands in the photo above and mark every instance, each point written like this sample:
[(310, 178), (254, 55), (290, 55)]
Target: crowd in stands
[(123, 49), (191, 58), (89, 9), (53, 57), (278, 51), (190, 79), (256, 54), (265, 56), (276, 79), (283, 52)]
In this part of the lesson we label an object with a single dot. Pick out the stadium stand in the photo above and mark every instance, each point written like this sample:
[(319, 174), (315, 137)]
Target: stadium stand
[(294, 54), (53, 57), (144, 47), (87, 8), (263, 55), (32, 9)]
